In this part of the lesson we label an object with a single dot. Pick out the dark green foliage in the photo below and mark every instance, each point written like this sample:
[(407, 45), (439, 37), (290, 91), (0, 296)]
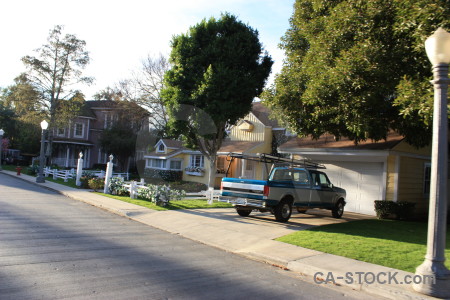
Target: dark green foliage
[(385, 208), (166, 175), (358, 69), (405, 210), (402, 210), (218, 68)]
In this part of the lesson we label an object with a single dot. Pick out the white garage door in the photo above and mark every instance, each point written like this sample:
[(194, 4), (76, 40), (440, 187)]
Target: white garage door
[(363, 182)]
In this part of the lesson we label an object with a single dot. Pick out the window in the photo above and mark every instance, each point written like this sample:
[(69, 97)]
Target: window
[(78, 130), (300, 177), (61, 132), (197, 161), (108, 120), (175, 164), (158, 163), (320, 179), (161, 148), (426, 179)]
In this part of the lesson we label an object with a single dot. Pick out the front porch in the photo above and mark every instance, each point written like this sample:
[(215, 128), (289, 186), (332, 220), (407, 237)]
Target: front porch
[(67, 155)]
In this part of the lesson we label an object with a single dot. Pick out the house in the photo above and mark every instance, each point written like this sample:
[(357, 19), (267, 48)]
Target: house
[(83, 133), (255, 133), (385, 170)]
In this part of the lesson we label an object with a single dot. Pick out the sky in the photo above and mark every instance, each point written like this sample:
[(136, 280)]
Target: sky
[(119, 35)]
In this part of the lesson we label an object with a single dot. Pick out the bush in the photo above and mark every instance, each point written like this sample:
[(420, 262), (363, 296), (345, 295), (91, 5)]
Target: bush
[(402, 210), (96, 183), (117, 187), (84, 179), (385, 208), (33, 170), (160, 194), (166, 175)]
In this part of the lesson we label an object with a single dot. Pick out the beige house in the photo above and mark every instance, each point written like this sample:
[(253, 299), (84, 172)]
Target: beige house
[(255, 133), (385, 170)]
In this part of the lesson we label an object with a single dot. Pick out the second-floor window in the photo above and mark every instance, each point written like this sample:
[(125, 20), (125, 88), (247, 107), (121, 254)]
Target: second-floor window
[(78, 130), (61, 132), (161, 148)]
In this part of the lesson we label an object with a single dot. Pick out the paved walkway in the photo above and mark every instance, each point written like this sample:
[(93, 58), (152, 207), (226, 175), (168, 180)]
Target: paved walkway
[(252, 237)]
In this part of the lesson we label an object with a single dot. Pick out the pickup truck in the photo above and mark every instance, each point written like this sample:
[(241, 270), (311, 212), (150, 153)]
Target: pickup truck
[(285, 188)]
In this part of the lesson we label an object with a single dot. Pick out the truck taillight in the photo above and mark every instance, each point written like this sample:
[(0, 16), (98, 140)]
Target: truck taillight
[(266, 191), (221, 186)]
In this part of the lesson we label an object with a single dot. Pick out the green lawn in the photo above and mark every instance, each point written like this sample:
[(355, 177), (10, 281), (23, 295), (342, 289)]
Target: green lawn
[(396, 244), (179, 204)]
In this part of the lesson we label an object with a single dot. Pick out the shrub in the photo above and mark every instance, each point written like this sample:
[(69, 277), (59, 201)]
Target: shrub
[(404, 210), (117, 187), (96, 183), (167, 175), (160, 194), (84, 179), (384, 208), (33, 170)]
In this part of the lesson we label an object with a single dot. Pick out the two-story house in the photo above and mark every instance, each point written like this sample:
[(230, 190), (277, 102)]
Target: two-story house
[(82, 134)]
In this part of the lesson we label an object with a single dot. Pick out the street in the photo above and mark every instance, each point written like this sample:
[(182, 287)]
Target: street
[(53, 247)]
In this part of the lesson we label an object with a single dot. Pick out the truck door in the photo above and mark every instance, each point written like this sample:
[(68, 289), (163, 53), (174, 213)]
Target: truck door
[(321, 192), (302, 185)]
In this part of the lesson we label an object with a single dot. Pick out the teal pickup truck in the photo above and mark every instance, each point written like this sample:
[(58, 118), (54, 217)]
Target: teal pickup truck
[(286, 187)]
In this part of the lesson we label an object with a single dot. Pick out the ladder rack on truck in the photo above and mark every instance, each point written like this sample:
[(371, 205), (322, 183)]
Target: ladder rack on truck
[(271, 159)]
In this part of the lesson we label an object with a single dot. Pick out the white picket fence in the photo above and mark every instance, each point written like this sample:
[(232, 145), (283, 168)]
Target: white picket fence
[(63, 174), (134, 186), (101, 174)]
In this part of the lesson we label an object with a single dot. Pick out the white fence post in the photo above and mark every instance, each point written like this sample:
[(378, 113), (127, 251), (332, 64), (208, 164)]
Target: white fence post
[(108, 175), (55, 173), (79, 169), (210, 195), (133, 190)]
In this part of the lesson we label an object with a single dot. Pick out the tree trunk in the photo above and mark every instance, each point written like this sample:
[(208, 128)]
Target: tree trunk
[(212, 170)]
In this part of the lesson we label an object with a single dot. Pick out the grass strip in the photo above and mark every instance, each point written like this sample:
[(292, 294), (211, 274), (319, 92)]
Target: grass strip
[(178, 204), (396, 244)]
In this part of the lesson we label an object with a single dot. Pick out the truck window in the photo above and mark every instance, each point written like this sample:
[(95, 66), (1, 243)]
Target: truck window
[(281, 175), (300, 177), (319, 179)]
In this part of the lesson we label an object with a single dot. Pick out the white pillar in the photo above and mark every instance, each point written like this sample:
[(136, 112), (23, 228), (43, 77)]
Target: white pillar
[(108, 175), (67, 157), (133, 190), (79, 169)]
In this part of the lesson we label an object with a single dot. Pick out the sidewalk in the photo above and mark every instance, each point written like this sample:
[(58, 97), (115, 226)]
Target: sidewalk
[(249, 237)]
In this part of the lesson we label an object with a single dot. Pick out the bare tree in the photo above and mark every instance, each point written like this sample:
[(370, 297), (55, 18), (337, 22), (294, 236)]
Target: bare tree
[(145, 87)]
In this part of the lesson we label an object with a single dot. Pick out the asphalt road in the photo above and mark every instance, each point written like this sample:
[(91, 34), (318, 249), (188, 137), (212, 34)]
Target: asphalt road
[(53, 247)]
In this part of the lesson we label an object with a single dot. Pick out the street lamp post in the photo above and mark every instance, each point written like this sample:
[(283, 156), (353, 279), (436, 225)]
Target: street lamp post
[(40, 178), (2, 132), (438, 51)]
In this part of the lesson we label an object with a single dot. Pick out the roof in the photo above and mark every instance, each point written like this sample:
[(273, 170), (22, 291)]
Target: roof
[(172, 143), (237, 146), (262, 112), (328, 141)]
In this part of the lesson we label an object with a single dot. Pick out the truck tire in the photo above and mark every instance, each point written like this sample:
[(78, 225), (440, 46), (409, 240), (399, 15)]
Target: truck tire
[(283, 211), (301, 210), (243, 212), (338, 210)]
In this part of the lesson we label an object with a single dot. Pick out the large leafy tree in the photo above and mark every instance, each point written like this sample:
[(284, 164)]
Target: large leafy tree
[(218, 68), (54, 71), (358, 69)]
